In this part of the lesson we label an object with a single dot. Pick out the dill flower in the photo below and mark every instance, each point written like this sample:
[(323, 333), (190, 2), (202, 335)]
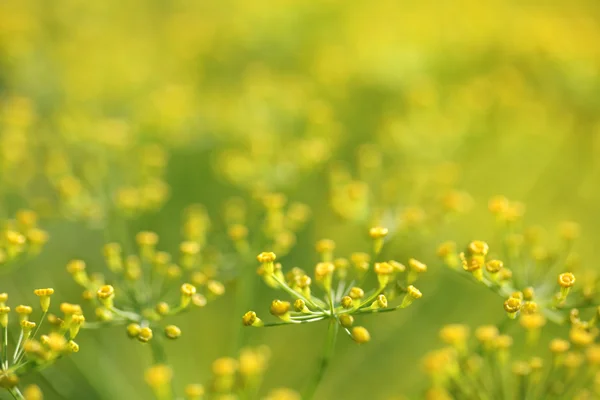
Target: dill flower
[(34, 350), (345, 301), (360, 335), (544, 289), (20, 239), (140, 293), (451, 371), (172, 332), (230, 378)]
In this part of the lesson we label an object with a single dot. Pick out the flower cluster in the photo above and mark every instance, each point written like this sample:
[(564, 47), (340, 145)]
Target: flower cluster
[(339, 295), (21, 238), (487, 368), (232, 378), (277, 226), (32, 350), (147, 287), (375, 196), (535, 283)]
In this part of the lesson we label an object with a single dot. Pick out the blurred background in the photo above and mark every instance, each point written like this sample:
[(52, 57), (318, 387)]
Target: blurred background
[(436, 106)]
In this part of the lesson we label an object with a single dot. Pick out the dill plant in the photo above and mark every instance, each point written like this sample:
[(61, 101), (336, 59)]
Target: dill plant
[(361, 116)]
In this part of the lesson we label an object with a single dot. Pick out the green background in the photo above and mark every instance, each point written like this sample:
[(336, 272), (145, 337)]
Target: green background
[(508, 91)]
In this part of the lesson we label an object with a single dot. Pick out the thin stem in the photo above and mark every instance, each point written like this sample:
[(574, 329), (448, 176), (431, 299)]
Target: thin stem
[(325, 360), (16, 393), (243, 298), (5, 348), (159, 355), (37, 328), (295, 294), (102, 324), (18, 347), (125, 314), (292, 322)]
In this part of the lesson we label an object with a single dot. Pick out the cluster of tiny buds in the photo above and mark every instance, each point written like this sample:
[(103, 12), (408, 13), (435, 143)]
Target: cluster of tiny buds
[(139, 325), (281, 223), (140, 294), (334, 277), (518, 301), (21, 236), (39, 351), (461, 361), (231, 378)]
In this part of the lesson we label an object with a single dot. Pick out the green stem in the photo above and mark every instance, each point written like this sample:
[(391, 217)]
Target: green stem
[(5, 348), (295, 294), (16, 393), (244, 296), (159, 355), (22, 352), (328, 351), (18, 347)]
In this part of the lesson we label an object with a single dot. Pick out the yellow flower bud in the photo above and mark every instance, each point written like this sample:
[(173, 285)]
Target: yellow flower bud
[(77, 269), (133, 330), (112, 255), (238, 232), (559, 346), (159, 379), (528, 293), (300, 306), (215, 288), (356, 293), (280, 309), (187, 291), (417, 265), (347, 302), (106, 294), (198, 300), (325, 248), (346, 320), (569, 231), (24, 312), (455, 335), (146, 238), (162, 308), (486, 335), (412, 294), (145, 334), (44, 295), (267, 260), (494, 266), (194, 392), (76, 322), (360, 335), (72, 347), (478, 248), (380, 302), (512, 306), (581, 337), (498, 205), (4, 310), (566, 280), (378, 234), (70, 309), (383, 270), (225, 366), (250, 319), (266, 257), (324, 274), (33, 392), (172, 332)]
